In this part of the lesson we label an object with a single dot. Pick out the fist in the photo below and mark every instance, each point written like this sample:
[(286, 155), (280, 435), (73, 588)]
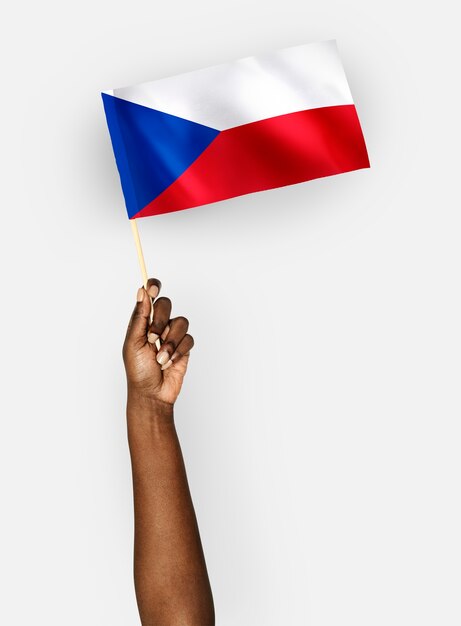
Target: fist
[(157, 347)]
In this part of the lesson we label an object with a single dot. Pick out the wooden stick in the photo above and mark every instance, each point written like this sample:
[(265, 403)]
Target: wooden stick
[(142, 265), (137, 241)]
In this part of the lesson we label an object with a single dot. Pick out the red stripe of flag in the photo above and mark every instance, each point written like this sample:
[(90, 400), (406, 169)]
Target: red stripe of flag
[(270, 153)]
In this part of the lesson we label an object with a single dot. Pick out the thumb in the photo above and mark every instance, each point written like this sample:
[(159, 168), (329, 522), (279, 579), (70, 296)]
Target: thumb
[(136, 334)]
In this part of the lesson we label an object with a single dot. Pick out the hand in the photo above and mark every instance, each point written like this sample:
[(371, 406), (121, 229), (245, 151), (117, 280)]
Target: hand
[(151, 373)]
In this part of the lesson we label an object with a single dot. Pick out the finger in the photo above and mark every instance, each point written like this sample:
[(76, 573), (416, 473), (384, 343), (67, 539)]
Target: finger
[(139, 322), (183, 349), (153, 287), (162, 312), (178, 328)]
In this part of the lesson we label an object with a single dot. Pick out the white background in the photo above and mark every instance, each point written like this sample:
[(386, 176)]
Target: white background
[(320, 418)]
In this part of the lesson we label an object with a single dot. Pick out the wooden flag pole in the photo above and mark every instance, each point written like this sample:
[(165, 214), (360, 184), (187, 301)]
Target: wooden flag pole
[(137, 241), (142, 265)]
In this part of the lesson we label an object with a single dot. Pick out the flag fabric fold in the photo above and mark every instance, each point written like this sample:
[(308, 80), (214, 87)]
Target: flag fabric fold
[(232, 129)]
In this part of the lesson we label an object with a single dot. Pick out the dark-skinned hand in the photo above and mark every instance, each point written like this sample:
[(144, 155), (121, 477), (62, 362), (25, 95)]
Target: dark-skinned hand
[(156, 374)]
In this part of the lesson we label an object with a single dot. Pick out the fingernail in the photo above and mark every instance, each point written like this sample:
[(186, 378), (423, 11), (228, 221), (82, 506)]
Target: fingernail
[(153, 291), (163, 357), (152, 337), (167, 365), (140, 294), (165, 332)]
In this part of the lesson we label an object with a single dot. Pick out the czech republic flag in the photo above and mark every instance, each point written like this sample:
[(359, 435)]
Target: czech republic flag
[(260, 122)]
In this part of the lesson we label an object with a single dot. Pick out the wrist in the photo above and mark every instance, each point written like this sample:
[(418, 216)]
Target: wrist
[(147, 406), (150, 427)]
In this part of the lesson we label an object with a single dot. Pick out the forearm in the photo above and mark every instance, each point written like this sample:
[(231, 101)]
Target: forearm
[(171, 579)]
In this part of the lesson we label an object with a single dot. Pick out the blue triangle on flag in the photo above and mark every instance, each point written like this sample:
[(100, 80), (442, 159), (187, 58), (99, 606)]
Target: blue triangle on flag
[(152, 148)]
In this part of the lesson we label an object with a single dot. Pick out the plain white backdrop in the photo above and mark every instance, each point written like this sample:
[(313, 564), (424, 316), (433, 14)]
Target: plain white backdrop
[(320, 418)]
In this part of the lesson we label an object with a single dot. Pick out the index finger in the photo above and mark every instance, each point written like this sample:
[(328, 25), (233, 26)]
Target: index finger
[(153, 287)]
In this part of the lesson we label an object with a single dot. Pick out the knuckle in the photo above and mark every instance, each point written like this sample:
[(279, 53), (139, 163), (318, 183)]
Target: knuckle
[(157, 326), (183, 321), (184, 347), (169, 346), (163, 301)]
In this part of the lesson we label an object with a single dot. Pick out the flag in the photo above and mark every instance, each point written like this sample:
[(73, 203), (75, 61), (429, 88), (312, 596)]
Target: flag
[(262, 122)]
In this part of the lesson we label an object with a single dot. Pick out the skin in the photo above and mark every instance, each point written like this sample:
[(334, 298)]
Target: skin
[(171, 579)]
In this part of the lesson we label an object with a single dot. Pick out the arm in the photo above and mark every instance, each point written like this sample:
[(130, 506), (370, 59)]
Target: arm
[(171, 580)]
